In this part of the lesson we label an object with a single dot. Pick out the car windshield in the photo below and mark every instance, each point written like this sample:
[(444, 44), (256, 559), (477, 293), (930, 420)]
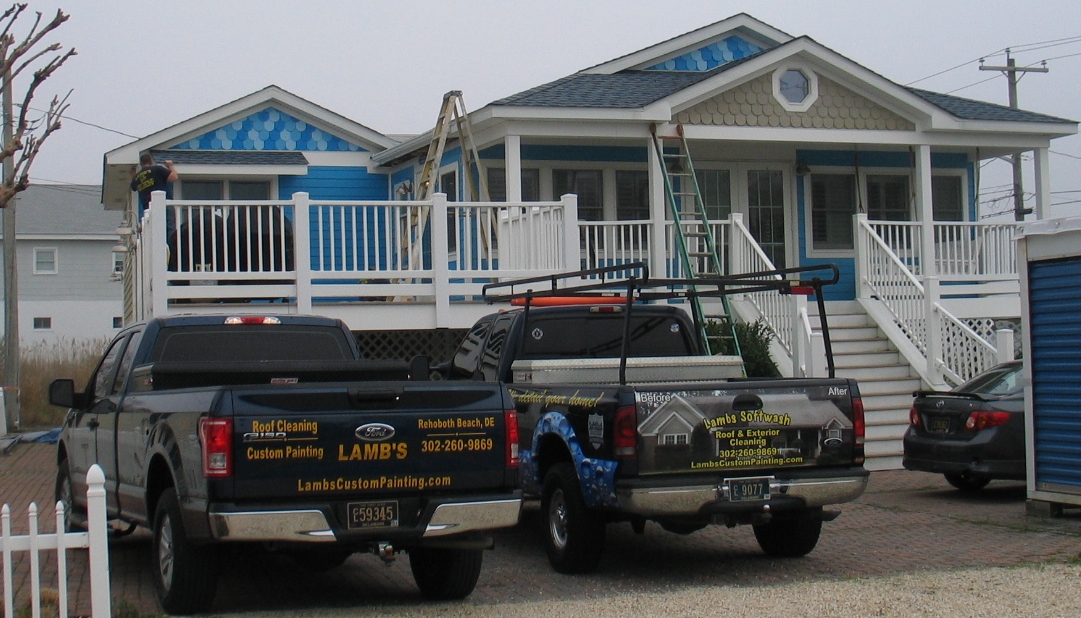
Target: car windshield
[(1004, 379)]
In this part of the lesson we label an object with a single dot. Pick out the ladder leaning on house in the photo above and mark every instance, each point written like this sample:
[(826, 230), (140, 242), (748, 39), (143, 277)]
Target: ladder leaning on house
[(693, 235), (452, 110)]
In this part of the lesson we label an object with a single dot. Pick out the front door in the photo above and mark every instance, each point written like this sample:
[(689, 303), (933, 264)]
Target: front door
[(756, 191)]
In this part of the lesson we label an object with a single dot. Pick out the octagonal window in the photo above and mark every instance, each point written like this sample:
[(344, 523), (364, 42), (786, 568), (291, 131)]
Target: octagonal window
[(794, 86)]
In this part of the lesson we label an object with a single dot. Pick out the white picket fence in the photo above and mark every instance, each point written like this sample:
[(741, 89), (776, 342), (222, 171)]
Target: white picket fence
[(96, 539)]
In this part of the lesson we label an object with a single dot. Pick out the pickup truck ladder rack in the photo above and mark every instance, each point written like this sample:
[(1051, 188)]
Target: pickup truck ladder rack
[(643, 288), (694, 234), (452, 110)]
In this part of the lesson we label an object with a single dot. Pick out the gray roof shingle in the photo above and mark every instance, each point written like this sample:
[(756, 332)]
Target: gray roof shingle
[(59, 210), (969, 109), (626, 89)]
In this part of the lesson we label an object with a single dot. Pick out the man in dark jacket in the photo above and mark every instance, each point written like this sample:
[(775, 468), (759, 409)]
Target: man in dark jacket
[(149, 178)]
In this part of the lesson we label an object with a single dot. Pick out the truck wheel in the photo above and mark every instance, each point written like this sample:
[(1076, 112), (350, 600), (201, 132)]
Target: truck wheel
[(445, 574), (573, 536), (185, 575), (966, 482), (790, 535), (74, 516)]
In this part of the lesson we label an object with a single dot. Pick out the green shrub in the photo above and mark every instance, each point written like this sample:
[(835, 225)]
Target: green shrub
[(754, 340)]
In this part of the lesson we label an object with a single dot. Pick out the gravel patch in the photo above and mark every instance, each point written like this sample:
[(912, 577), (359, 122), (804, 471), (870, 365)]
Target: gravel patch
[(1034, 590)]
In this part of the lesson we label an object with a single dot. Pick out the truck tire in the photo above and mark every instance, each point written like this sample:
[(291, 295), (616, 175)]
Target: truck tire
[(185, 575), (74, 516), (790, 535), (573, 536), (445, 574)]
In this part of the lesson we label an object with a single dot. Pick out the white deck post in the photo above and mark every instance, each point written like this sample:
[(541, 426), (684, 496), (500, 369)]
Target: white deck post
[(658, 257), (933, 333), (1042, 168), (440, 257), (302, 259), (799, 369), (97, 529), (1004, 340), (572, 252), (735, 247), (159, 256)]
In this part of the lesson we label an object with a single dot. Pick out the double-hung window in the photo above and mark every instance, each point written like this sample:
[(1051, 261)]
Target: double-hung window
[(45, 261), (833, 203), (587, 185)]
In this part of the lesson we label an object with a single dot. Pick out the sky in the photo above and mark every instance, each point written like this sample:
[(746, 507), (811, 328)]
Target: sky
[(144, 66)]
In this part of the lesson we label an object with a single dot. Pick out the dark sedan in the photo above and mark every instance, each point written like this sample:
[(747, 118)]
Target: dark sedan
[(972, 434)]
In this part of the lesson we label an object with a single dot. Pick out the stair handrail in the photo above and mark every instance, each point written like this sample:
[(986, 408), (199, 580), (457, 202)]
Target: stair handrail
[(776, 311), (912, 309)]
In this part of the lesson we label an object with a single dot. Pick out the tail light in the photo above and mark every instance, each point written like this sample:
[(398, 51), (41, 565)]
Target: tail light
[(857, 420), (216, 434), (982, 420), (510, 423), (626, 432), (914, 418), (252, 319)]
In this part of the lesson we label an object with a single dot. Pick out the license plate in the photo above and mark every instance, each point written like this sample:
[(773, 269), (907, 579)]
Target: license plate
[(373, 514), (740, 490), (939, 425)]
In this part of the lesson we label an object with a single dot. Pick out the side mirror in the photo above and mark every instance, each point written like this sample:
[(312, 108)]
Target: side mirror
[(62, 393), (420, 368)]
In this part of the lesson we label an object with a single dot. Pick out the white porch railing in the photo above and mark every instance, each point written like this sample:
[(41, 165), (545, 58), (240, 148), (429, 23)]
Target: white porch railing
[(96, 539), (777, 311), (611, 243), (964, 250), (888, 257), (301, 252)]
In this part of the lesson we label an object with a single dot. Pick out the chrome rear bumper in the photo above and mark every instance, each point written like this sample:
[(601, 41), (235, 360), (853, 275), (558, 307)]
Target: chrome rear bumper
[(689, 500)]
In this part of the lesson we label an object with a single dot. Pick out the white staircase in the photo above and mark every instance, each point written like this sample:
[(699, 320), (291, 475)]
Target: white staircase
[(886, 381)]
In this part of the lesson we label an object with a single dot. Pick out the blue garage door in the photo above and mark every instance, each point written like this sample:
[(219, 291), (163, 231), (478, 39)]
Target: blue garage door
[(1055, 328)]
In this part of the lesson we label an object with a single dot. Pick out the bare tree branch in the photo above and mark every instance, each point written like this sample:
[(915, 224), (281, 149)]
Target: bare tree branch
[(28, 134)]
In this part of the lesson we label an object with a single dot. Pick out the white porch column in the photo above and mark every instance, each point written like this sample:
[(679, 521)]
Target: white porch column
[(512, 144), (572, 251), (1042, 168), (924, 207), (658, 253)]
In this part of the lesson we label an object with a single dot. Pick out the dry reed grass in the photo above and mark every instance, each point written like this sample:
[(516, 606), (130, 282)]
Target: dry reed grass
[(42, 363)]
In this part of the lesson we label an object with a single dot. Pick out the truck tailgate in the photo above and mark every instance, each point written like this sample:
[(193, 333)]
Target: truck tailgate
[(380, 438), (746, 425)]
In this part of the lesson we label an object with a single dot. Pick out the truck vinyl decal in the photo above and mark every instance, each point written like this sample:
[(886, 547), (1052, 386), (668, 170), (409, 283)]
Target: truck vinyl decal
[(746, 428), (597, 476)]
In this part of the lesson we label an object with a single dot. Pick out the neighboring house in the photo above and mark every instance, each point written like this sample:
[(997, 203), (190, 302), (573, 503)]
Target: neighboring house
[(801, 155), (69, 278)]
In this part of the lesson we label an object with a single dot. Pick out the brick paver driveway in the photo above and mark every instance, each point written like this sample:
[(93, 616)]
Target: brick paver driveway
[(906, 522)]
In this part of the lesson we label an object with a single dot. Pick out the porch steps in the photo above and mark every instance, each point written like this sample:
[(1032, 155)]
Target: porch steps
[(886, 381)]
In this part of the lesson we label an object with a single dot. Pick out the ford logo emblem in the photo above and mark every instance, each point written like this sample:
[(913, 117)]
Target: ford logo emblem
[(374, 432)]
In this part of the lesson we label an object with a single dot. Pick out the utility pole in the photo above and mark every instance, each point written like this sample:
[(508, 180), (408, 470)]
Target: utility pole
[(11, 283), (1011, 70)]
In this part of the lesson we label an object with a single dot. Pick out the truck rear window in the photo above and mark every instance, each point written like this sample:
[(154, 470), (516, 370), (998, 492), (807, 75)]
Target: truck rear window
[(278, 342), (601, 336)]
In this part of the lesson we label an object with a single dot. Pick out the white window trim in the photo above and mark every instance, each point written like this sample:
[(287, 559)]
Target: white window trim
[(812, 86), (675, 441), (56, 261), (861, 198)]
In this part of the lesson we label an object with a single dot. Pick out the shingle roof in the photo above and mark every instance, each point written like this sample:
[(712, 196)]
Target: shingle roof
[(231, 157), (64, 209), (969, 109), (626, 89)]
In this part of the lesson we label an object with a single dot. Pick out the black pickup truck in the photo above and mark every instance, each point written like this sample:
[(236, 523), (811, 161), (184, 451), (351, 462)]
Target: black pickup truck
[(624, 418), (272, 429)]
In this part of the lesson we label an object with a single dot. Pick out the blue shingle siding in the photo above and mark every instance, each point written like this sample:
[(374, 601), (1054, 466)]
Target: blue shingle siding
[(268, 129), (1054, 302), (969, 109), (709, 57)]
